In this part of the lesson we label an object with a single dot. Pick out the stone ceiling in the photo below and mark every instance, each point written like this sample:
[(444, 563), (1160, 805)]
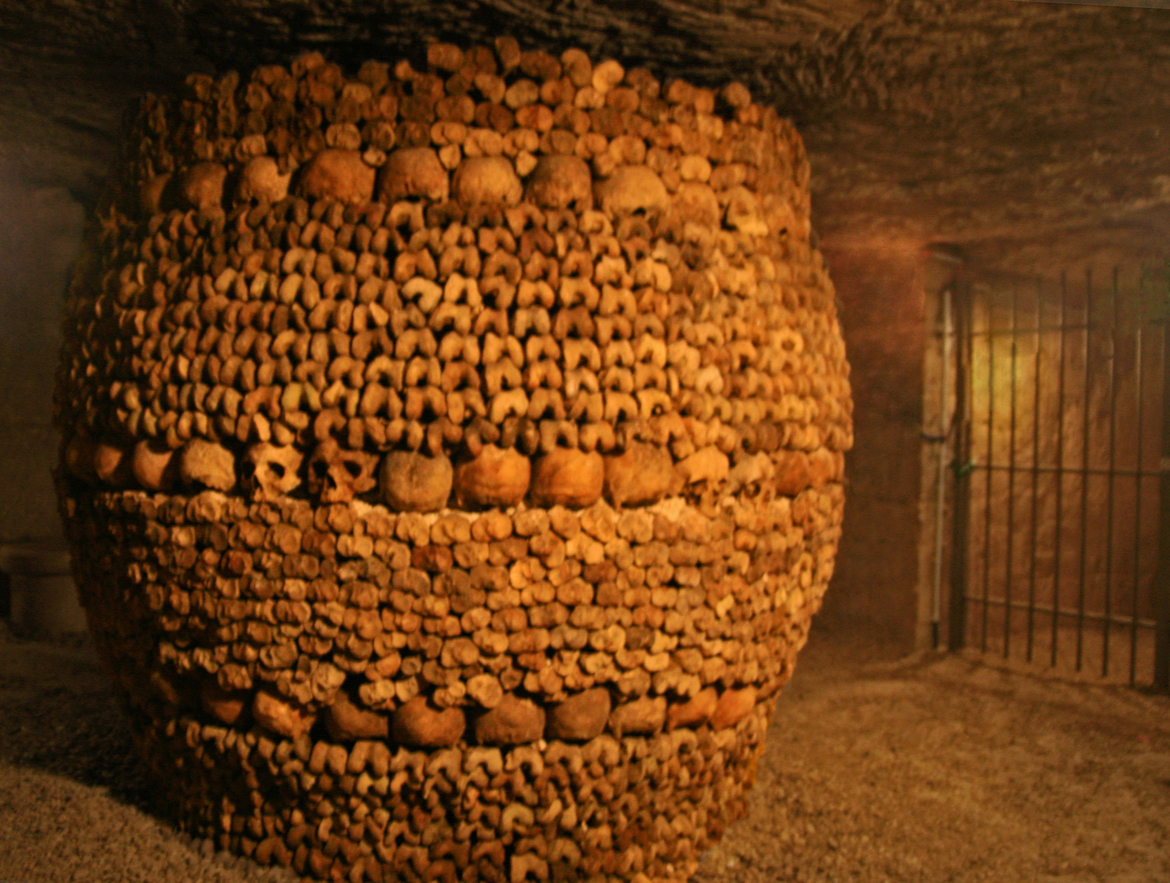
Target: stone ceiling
[(955, 120)]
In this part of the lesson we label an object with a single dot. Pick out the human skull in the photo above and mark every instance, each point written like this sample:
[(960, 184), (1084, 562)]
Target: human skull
[(743, 212), (487, 179), (412, 172), (271, 471), (630, 189), (337, 475), (337, 174), (201, 186), (207, 464), (154, 466), (561, 181), (261, 179), (414, 482)]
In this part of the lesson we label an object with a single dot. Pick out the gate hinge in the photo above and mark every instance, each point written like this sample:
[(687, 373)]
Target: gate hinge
[(962, 470)]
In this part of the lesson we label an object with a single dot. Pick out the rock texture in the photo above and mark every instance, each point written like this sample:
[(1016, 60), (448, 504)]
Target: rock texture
[(926, 118)]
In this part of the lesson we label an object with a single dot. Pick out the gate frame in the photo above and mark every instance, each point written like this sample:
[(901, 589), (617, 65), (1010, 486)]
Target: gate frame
[(958, 599), (960, 476)]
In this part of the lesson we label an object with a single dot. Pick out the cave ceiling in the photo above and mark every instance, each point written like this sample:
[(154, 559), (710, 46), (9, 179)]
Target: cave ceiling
[(945, 120)]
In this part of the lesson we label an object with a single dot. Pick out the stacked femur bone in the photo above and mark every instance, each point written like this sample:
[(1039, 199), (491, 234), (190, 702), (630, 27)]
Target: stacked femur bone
[(453, 459)]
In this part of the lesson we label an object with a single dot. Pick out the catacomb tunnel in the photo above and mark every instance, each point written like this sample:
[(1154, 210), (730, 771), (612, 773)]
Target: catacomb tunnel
[(982, 694)]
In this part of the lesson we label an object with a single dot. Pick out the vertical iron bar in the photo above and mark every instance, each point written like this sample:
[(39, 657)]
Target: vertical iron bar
[(1137, 509), (1088, 403), (945, 309), (1162, 574), (1059, 473), (964, 343), (990, 469), (1011, 477), (1035, 470), (1112, 480)]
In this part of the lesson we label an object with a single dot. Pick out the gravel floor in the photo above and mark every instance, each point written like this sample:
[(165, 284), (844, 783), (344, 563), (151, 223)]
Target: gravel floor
[(936, 768)]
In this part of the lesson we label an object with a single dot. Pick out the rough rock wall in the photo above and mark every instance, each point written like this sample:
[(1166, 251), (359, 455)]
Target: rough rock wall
[(875, 584), (39, 234), (950, 119)]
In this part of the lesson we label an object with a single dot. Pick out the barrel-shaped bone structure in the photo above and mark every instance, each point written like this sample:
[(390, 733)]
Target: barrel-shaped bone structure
[(453, 459)]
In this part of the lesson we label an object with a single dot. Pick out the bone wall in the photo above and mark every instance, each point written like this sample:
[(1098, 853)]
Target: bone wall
[(425, 409)]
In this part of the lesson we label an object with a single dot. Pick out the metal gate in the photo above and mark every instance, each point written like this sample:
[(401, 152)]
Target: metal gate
[(1060, 438)]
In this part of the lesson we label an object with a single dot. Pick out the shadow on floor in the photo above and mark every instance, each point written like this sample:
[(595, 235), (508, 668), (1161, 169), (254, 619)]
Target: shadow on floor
[(59, 714)]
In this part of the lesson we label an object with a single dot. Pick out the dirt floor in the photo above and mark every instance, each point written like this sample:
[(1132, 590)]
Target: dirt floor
[(933, 769)]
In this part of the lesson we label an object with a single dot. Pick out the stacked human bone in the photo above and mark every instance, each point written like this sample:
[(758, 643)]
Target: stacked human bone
[(453, 460)]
